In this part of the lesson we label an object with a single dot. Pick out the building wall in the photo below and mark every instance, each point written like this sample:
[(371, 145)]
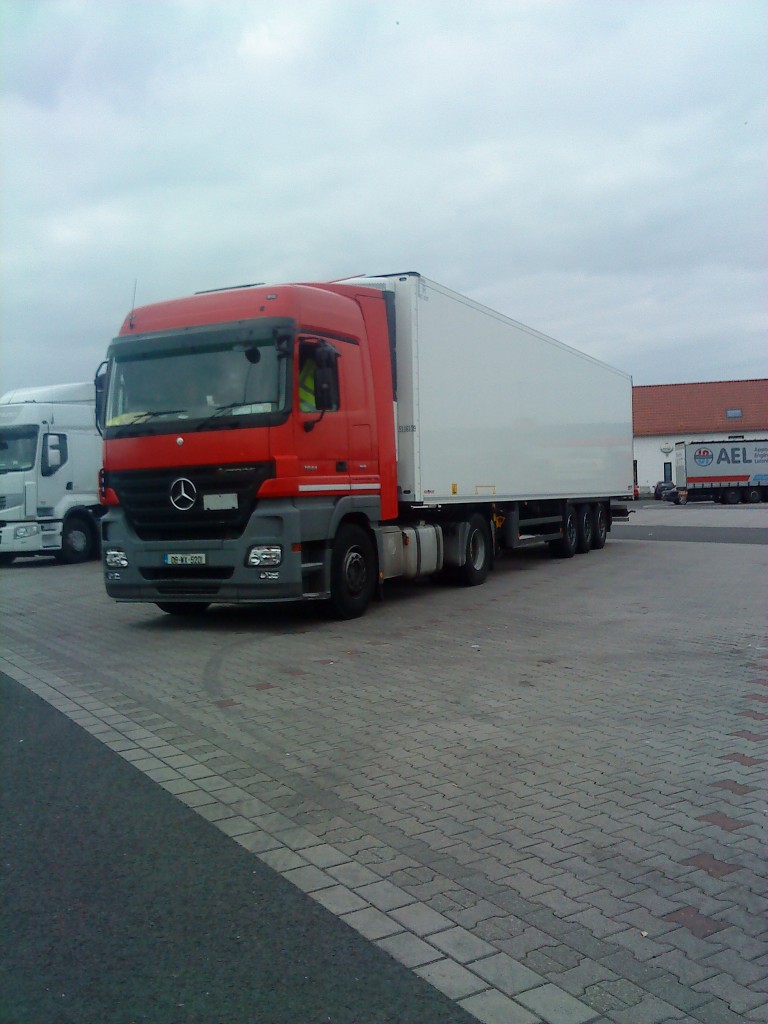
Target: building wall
[(650, 457)]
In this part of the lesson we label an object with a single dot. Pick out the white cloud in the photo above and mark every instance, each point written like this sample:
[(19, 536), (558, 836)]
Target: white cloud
[(594, 169)]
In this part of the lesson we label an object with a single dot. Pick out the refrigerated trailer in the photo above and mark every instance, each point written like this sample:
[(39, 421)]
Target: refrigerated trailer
[(730, 471), (50, 456), (311, 441)]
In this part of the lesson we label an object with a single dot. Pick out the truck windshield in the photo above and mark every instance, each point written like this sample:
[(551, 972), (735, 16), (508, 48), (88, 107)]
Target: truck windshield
[(18, 446), (199, 379)]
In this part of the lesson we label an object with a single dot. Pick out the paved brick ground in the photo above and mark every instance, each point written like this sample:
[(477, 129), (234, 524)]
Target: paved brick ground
[(543, 795)]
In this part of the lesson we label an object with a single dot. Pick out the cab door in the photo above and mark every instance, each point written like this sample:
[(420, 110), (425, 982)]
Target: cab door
[(322, 434), (54, 478)]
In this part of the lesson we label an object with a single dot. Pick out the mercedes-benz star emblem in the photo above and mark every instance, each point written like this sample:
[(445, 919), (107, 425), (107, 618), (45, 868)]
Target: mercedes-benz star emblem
[(183, 494)]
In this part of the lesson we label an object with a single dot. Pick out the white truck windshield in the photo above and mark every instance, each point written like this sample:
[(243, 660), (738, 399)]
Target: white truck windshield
[(18, 447)]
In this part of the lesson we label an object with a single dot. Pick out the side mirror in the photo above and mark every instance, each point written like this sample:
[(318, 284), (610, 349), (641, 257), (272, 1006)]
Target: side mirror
[(325, 389), (54, 453), (326, 377), (100, 387)]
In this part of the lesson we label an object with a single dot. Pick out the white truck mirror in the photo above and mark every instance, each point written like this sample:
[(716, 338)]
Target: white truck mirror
[(54, 453)]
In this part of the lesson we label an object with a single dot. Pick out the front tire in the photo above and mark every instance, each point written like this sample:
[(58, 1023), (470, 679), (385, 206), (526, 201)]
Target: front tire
[(353, 572), (77, 541)]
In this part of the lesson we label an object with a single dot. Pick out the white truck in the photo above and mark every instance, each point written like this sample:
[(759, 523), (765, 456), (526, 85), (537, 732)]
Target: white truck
[(435, 432), (730, 471), (50, 456)]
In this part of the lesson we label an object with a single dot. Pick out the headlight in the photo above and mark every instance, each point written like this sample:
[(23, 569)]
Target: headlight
[(114, 558), (264, 554), (26, 531)]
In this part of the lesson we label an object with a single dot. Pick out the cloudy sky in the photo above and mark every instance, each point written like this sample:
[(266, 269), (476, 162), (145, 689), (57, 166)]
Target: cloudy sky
[(593, 168)]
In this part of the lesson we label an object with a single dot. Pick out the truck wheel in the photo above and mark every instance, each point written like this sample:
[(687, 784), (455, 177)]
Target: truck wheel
[(584, 524), (353, 572), (731, 497), (599, 527), (6, 560), (182, 607), (752, 496), (77, 544), (477, 554), (567, 545)]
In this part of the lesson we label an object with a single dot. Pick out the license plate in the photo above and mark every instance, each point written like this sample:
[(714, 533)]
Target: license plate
[(184, 559)]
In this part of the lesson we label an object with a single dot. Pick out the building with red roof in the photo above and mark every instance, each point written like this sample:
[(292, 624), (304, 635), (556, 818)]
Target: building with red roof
[(665, 413)]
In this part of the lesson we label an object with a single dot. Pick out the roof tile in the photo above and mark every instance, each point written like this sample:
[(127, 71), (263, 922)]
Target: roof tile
[(694, 408)]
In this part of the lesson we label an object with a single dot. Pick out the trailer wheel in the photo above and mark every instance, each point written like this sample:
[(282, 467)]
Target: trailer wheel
[(584, 529), (183, 607), (477, 554), (599, 526), (567, 545), (77, 541), (752, 496), (731, 497), (353, 572)]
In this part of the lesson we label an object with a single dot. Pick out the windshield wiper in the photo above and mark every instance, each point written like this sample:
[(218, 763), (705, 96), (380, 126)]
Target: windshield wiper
[(145, 417), (219, 411)]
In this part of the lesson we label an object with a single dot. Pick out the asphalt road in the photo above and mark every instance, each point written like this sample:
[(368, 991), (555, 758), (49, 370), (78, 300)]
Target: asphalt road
[(122, 905), (691, 534), (697, 523)]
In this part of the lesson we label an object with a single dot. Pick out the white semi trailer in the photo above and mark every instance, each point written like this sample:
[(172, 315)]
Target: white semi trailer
[(438, 432), (50, 455)]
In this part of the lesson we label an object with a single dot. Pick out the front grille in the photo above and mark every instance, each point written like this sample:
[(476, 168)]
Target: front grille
[(187, 588), (145, 496), (183, 574)]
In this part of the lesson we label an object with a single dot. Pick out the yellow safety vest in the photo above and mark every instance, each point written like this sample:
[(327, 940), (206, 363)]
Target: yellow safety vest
[(307, 386)]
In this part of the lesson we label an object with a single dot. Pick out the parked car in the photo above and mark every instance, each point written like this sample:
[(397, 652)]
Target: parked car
[(661, 487), (681, 496)]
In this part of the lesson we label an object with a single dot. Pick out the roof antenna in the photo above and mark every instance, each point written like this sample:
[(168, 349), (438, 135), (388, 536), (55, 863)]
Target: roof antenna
[(131, 324)]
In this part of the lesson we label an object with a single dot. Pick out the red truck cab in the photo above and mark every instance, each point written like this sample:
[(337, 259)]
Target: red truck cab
[(222, 480)]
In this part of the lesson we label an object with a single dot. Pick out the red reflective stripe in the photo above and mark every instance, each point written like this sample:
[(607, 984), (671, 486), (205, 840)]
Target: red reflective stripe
[(718, 479)]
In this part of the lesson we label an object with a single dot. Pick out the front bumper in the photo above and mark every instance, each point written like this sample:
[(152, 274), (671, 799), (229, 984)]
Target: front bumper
[(224, 577), (25, 538)]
